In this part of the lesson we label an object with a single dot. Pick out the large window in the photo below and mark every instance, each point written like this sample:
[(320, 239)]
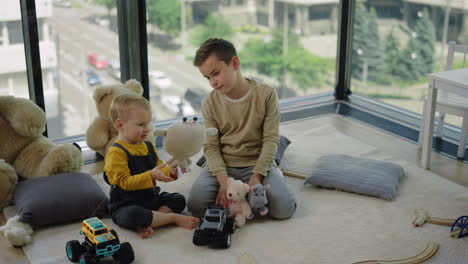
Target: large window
[(396, 44), (13, 78), (287, 44), (79, 51)]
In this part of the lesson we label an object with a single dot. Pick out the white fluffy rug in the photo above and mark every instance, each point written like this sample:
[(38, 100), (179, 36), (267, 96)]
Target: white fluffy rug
[(328, 227)]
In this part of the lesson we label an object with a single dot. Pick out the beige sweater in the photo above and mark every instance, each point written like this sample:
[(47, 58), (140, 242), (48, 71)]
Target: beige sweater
[(248, 129)]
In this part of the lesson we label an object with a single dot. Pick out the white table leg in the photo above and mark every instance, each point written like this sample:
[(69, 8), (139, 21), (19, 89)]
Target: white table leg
[(429, 125)]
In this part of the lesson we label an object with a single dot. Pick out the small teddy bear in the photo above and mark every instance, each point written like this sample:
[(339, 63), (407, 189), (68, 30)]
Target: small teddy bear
[(258, 199), (16, 232), (239, 209)]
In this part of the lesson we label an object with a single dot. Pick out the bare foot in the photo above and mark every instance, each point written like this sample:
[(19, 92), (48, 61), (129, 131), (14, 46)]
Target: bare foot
[(186, 221), (147, 232)]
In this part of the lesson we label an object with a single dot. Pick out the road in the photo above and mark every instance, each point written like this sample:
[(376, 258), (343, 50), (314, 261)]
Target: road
[(77, 33)]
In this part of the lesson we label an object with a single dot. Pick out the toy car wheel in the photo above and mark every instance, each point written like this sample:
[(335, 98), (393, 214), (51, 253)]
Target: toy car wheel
[(225, 241), (229, 227), (87, 259), (74, 250), (198, 239), (115, 234), (125, 254)]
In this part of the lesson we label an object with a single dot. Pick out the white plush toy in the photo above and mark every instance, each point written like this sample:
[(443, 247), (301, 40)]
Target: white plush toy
[(239, 208), (16, 232), (183, 140)]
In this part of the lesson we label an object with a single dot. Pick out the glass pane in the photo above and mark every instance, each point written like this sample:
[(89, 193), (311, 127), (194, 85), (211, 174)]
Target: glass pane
[(79, 50), (13, 77), (396, 44), (302, 65)]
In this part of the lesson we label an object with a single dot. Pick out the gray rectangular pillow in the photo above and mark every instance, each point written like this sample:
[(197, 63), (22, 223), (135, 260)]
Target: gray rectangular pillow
[(357, 175), (59, 198)]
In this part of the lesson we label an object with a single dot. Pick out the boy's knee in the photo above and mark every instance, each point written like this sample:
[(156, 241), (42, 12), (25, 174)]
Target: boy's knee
[(283, 210), (195, 208)]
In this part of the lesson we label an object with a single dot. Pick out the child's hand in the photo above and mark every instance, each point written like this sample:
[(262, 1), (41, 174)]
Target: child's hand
[(157, 174), (174, 172)]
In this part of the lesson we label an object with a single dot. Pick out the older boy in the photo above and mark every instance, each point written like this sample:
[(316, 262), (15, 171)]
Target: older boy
[(247, 117), (132, 167)]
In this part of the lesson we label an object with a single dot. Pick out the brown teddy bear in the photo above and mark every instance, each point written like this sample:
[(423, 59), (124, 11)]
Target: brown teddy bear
[(25, 151), (101, 134)]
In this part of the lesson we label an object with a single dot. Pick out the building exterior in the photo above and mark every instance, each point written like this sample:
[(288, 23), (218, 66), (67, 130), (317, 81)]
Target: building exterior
[(13, 77)]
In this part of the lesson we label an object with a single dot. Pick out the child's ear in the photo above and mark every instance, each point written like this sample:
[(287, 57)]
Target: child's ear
[(235, 62), (118, 123)]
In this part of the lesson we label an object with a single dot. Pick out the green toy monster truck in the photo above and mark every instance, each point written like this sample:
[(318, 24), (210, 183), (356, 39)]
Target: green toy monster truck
[(99, 243)]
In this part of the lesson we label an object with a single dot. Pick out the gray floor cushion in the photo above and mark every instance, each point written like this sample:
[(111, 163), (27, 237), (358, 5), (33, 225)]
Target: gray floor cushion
[(357, 175), (59, 198)]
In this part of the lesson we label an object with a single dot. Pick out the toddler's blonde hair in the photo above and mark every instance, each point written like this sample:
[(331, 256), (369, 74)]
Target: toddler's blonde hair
[(120, 104)]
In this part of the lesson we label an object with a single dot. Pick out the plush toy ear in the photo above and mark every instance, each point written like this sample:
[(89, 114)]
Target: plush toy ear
[(252, 188), (230, 180), (100, 93), (211, 131), (135, 86), (246, 187), (160, 133), (266, 186)]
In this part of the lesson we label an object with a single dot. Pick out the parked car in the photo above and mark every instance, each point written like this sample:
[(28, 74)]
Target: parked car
[(160, 79), (99, 62), (62, 3), (114, 69), (92, 77), (195, 97), (177, 105)]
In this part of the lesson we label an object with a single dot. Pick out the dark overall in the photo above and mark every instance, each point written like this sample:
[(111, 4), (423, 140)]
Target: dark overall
[(133, 209)]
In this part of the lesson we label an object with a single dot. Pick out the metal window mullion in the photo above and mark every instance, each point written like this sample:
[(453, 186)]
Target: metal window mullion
[(32, 53), (343, 62), (123, 40), (133, 42)]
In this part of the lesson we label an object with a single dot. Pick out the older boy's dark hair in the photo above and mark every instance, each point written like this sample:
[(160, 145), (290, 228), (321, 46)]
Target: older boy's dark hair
[(223, 49)]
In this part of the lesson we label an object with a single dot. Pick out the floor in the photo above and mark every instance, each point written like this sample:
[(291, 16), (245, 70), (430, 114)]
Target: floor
[(442, 165)]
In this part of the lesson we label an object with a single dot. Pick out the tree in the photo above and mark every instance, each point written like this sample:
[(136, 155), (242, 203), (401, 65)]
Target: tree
[(409, 63), (392, 52), (212, 27), (367, 50), (306, 69), (375, 50), (425, 37), (109, 5), (165, 14)]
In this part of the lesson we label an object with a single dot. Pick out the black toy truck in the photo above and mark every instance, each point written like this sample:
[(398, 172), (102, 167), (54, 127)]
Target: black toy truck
[(99, 243), (215, 229)]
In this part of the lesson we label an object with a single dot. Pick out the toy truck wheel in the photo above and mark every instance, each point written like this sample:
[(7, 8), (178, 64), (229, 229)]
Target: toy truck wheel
[(125, 254), (229, 226), (115, 234), (198, 239), (87, 259), (74, 250), (225, 242)]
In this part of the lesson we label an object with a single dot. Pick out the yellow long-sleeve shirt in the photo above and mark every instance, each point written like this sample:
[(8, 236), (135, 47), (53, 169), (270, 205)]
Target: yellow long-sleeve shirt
[(118, 172), (248, 129)]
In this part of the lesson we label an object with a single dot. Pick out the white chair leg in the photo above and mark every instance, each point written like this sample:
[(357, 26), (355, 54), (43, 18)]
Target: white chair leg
[(421, 127), (440, 124), (462, 142)]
